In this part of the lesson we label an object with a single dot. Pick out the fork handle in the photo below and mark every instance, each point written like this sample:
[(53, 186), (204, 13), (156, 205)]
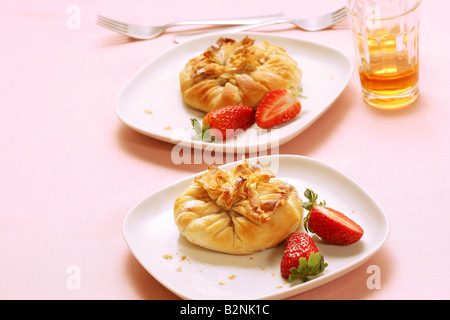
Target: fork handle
[(230, 21), (189, 36)]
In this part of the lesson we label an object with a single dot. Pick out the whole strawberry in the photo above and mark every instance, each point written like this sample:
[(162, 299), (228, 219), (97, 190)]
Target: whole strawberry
[(227, 122), (301, 258), (329, 224)]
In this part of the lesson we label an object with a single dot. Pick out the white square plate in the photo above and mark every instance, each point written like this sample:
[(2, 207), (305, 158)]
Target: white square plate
[(151, 101), (193, 272)]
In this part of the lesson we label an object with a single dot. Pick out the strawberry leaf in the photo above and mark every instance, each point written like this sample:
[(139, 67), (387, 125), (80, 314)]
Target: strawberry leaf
[(314, 260), (312, 197), (299, 93), (197, 127), (307, 268), (201, 132)]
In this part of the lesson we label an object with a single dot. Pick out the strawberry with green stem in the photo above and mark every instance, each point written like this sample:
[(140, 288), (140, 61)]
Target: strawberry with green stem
[(329, 224), (224, 123), (301, 258)]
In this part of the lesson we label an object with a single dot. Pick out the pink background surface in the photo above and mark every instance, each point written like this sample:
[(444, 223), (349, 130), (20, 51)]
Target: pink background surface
[(70, 170)]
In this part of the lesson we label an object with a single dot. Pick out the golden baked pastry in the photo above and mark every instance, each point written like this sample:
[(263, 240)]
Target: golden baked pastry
[(240, 211), (237, 73)]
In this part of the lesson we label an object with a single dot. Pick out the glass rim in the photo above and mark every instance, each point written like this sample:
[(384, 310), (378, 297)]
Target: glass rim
[(413, 8)]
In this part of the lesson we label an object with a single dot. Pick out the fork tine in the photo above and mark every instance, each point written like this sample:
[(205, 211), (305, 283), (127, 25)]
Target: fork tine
[(106, 21), (339, 18), (101, 24), (339, 11), (111, 21), (112, 26), (339, 15)]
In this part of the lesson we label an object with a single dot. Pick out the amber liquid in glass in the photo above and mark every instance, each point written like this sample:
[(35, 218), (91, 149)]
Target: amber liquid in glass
[(387, 70)]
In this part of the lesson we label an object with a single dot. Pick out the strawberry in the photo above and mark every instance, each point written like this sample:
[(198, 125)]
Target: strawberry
[(329, 224), (301, 258), (278, 106), (226, 122)]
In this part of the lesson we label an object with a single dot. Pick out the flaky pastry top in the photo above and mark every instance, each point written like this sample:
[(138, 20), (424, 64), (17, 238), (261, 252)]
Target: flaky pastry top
[(240, 211), (237, 73)]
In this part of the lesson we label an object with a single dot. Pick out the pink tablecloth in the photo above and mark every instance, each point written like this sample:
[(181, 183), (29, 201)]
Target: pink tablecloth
[(70, 170)]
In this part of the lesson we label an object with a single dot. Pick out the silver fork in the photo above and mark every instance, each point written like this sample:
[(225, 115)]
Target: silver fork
[(144, 32), (308, 24)]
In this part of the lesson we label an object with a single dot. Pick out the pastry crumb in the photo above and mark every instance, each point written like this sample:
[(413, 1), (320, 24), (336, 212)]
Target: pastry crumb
[(221, 283), (168, 128), (232, 276), (167, 256), (178, 269), (148, 111)]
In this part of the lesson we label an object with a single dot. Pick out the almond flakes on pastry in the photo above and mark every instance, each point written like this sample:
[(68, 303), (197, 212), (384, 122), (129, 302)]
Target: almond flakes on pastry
[(241, 211), (237, 73)]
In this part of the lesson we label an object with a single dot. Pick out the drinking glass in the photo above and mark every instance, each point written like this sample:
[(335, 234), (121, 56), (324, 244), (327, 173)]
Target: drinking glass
[(386, 38)]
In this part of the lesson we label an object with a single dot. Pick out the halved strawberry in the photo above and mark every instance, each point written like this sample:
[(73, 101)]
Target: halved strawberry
[(278, 106), (226, 122), (329, 224), (301, 258)]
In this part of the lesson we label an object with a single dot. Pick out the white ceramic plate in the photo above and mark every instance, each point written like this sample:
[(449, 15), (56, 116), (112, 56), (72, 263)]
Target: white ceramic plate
[(151, 101), (197, 273)]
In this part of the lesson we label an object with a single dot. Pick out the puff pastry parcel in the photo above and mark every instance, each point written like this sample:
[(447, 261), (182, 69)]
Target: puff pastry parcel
[(237, 73), (240, 211)]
